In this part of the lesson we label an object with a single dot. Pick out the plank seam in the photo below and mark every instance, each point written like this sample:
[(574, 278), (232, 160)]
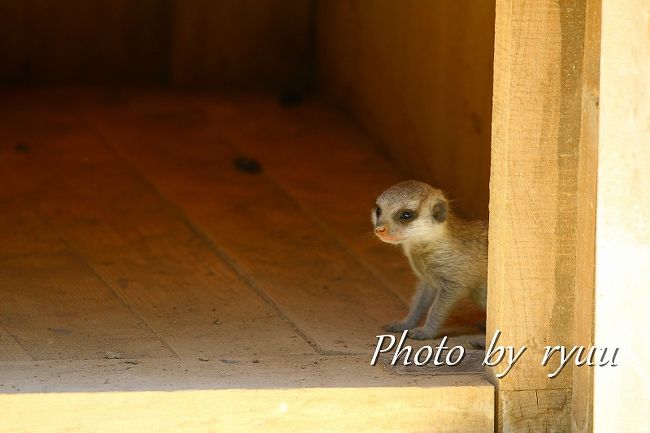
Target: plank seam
[(324, 227), (77, 255), (219, 253), (3, 327), (18, 343), (110, 287)]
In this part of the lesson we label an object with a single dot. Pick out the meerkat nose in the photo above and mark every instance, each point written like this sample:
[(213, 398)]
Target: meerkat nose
[(380, 229)]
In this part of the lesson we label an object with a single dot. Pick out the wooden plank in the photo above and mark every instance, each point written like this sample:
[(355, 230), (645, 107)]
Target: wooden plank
[(58, 309), (318, 285), (138, 243), (253, 44), (622, 274), (272, 371), (583, 378), (53, 304), (336, 181), (286, 411), (18, 222), (334, 157), (535, 411), (10, 350), (91, 41), (417, 75), (444, 404)]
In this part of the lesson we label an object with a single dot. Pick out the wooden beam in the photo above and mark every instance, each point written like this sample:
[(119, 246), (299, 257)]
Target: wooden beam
[(375, 409), (583, 378), (535, 411), (535, 137), (272, 371)]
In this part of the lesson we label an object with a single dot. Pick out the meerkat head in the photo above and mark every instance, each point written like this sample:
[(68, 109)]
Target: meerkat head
[(408, 211)]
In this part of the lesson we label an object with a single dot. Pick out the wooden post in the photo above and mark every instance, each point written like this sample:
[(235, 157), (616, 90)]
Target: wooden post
[(535, 141), (582, 389)]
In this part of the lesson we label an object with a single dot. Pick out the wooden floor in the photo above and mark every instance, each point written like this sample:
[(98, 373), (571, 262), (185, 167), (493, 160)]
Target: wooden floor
[(136, 258)]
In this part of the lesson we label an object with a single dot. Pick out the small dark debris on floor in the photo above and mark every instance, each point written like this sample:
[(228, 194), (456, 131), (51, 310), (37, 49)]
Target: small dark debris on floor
[(22, 148), (204, 358), (290, 98), (247, 165), (229, 361)]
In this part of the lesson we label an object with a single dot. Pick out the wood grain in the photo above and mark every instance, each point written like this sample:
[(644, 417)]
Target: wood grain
[(10, 350), (533, 206), (53, 304), (262, 231), (336, 181), (191, 43), (583, 378), (241, 396), (418, 76), (139, 244), (89, 41), (535, 411), (272, 371), (260, 44), (229, 272), (327, 409), (533, 187)]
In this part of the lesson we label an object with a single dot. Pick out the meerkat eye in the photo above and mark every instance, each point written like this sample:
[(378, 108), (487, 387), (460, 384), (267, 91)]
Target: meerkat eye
[(378, 212), (407, 215)]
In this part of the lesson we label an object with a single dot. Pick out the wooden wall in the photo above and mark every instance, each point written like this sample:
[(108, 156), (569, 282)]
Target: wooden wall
[(252, 43), (91, 40), (418, 75), (214, 43)]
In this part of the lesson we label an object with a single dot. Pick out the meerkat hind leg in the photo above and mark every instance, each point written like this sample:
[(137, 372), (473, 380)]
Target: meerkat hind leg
[(438, 313), (421, 302)]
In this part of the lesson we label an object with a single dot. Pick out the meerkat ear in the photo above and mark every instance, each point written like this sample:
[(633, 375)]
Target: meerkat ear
[(439, 211)]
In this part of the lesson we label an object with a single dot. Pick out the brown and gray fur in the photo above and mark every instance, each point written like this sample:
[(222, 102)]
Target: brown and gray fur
[(447, 253)]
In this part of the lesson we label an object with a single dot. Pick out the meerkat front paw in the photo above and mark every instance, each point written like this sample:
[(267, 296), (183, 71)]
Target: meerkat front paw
[(421, 333), (395, 327)]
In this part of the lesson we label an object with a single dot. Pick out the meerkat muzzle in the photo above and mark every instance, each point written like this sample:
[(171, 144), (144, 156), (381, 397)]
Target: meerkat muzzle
[(385, 236)]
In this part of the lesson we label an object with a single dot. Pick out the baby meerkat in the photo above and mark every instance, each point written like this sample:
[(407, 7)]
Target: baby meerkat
[(447, 253)]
